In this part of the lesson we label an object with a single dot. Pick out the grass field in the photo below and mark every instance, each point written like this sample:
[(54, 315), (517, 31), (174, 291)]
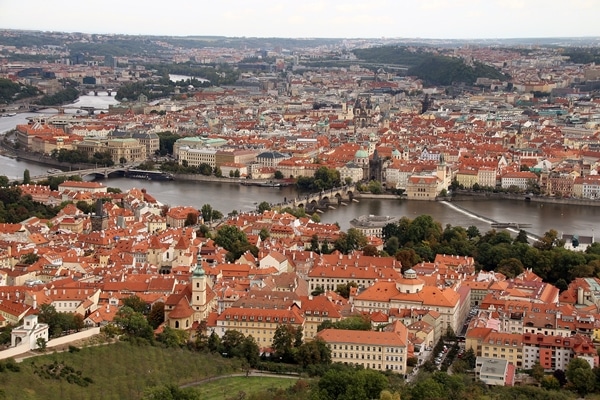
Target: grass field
[(229, 387), (118, 371)]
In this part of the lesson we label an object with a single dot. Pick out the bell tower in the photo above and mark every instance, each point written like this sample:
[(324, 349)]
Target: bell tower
[(198, 301)]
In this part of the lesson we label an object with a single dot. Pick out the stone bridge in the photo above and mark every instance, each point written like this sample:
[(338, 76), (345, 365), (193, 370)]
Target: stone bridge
[(100, 172), (324, 199)]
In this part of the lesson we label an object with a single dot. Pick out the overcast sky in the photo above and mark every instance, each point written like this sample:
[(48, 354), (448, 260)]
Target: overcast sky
[(310, 18)]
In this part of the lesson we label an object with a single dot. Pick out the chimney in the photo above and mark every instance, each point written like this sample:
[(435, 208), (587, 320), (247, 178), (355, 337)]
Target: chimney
[(34, 302)]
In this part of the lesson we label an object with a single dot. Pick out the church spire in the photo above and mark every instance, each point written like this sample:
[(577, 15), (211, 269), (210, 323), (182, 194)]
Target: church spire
[(199, 271)]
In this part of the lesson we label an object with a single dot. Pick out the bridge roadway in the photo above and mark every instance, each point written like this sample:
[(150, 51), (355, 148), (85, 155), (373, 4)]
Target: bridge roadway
[(97, 172), (322, 199)]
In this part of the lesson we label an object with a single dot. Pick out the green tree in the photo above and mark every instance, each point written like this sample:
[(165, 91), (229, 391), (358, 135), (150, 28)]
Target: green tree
[(205, 169), (29, 258), (136, 304), (391, 245), (169, 392), (315, 352), (375, 187), (335, 383), (84, 206), (284, 343), (354, 239), (550, 383), (5, 335), (387, 395), (156, 316), (473, 232), (370, 250), (134, 325), (580, 376), (510, 267), (549, 241), (372, 382), (264, 206), (214, 343), (354, 323), (278, 175), (207, 213), (264, 233), (231, 343), (191, 219), (521, 237), (428, 389), (318, 291), (4, 181), (26, 177), (41, 344), (424, 229), (47, 314), (537, 371), (232, 239), (173, 338), (470, 358), (343, 289), (407, 257), (250, 351)]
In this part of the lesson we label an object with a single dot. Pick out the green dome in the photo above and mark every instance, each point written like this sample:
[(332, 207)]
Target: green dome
[(361, 153), (198, 271)]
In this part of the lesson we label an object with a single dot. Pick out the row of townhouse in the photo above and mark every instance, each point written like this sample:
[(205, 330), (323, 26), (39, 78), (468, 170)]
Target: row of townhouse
[(524, 350)]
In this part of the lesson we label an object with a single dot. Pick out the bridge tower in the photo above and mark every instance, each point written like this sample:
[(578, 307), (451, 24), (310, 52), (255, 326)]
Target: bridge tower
[(100, 218)]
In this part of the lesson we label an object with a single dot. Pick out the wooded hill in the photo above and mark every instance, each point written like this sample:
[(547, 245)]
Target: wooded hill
[(433, 69)]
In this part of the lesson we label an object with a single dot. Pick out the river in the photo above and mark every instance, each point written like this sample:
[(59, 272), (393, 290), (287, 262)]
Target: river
[(102, 102), (226, 197)]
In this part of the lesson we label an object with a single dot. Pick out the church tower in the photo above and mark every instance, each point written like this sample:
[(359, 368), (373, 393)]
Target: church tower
[(198, 301)]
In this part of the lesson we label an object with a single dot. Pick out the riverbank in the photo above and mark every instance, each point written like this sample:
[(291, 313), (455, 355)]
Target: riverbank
[(456, 196)]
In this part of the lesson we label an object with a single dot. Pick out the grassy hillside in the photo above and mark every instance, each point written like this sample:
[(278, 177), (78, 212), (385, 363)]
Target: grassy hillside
[(230, 387), (117, 371)]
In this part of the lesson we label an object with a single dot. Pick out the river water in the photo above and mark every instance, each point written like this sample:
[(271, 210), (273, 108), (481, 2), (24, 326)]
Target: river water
[(225, 197), (102, 102)]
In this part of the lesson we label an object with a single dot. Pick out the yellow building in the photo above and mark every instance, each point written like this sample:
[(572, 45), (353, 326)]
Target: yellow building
[(422, 187), (466, 177), (371, 349), (129, 150), (487, 343), (259, 323)]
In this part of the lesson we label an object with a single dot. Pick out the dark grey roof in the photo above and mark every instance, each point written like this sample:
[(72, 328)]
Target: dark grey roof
[(271, 154)]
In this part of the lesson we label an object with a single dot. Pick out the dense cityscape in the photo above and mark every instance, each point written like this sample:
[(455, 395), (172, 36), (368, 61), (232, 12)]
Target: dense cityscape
[(394, 307)]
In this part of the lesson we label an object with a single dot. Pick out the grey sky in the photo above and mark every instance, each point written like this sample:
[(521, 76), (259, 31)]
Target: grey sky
[(310, 18)]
